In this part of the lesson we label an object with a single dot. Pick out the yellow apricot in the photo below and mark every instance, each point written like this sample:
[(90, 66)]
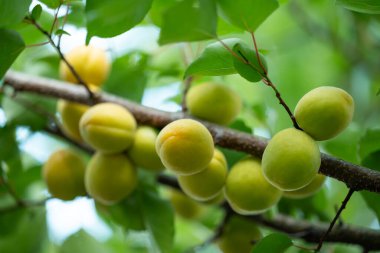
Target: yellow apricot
[(64, 174), (239, 235), (213, 102), (185, 146), (90, 63), (218, 199), (143, 151), (247, 191), (108, 127), (206, 184), (184, 206), (291, 160), (314, 186), (110, 178), (324, 112)]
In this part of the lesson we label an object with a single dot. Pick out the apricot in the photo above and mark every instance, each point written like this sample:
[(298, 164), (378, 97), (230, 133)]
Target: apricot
[(239, 235), (108, 127), (291, 160), (206, 184), (184, 206), (64, 174), (110, 177), (324, 112), (185, 146), (247, 191), (90, 63), (314, 186), (213, 102), (143, 151)]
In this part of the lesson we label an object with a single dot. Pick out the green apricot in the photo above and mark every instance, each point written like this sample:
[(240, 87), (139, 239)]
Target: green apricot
[(310, 189), (239, 236), (110, 178), (108, 127), (291, 160), (143, 151), (213, 102), (218, 199), (324, 112), (64, 174), (206, 184), (184, 206), (185, 146), (247, 191)]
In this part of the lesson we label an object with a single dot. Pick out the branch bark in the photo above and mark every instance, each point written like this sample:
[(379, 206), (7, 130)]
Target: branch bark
[(354, 176)]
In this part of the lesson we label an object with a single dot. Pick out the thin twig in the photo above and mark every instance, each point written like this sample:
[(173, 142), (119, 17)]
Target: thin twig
[(55, 19), (37, 44), (186, 87), (26, 204)]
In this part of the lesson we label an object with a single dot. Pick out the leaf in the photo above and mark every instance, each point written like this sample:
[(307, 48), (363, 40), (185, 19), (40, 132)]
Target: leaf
[(274, 243), (189, 20), (247, 15), (82, 242), (113, 17), (53, 4), (369, 143), (36, 12), (215, 60), (61, 32), (365, 6), (253, 70), (372, 201), (159, 220), (11, 45), (13, 12)]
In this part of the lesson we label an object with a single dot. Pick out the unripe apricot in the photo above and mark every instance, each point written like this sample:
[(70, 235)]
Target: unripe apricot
[(218, 199), (310, 189), (206, 184), (324, 112), (89, 62), (213, 102), (70, 114), (185, 146), (110, 178), (143, 151), (247, 191), (239, 235), (291, 160), (108, 127), (64, 174), (184, 206)]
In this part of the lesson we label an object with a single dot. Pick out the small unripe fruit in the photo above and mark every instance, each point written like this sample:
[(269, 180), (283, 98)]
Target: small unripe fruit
[(324, 112), (206, 184), (108, 127), (291, 160), (64, 174), (143, 151), (247, 191), (310, 189), (70, 114), (184, 206), (213, 102), (185, 146), (239, 236), (218, 199), (110, 178), (89, 62)]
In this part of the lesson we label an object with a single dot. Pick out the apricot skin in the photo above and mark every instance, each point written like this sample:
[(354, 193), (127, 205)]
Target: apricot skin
[(64, 174), (291, 160), (90, 63), (143, 151), (108, 127), (184, 206), (307, 191), (247, 191), (238, 236), (324, 112), (213, 102), (110, 178), (185, 146), (206, 184)]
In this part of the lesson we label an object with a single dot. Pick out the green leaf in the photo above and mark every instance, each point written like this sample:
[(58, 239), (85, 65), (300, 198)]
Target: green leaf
[(82, 242), (11, 45), (247, 15), (53, 4), (189, 20), (365, 6), (61, 32), (373, 202), (215, 60), (369, 143), (113, 17), (13, 12), (274, 243), (159, 220), (36, 12), (252, 71)]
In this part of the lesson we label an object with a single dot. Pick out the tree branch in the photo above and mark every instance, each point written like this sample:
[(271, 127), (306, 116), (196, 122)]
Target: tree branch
[(355, 176)]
